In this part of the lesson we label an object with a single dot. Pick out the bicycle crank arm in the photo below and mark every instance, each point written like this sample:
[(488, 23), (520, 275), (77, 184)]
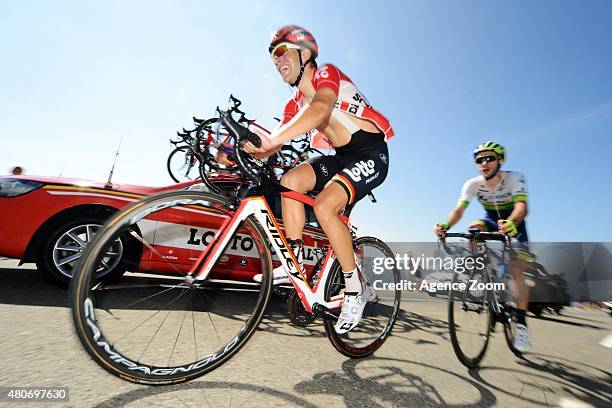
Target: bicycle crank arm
[(323, 312)]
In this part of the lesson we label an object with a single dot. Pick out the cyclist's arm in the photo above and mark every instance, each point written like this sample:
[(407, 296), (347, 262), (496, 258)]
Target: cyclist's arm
[(467, 193), (315, 116), (519, 197), (519, 213), (455, 215)]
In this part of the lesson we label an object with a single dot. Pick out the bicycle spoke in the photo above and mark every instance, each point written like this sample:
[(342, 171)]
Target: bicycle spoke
[(210, 318), (150, 317), (177, 337), (195, 340)]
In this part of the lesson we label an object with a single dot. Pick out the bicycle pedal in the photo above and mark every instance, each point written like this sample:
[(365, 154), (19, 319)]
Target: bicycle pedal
[(323, 312)]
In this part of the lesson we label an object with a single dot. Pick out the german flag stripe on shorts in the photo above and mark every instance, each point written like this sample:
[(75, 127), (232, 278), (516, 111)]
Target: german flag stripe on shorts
[(348, 187)]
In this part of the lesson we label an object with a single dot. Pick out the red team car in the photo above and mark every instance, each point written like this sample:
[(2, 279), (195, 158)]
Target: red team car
[(49, 220)]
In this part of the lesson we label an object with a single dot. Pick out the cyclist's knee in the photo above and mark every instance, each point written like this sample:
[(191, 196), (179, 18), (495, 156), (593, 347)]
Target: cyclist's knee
[(328, 204), (297, 180), (478, 225), (291, 181)]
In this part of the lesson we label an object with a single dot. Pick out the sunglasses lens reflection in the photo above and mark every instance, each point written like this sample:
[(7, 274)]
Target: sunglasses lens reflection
[(485, 159), (279, 51)]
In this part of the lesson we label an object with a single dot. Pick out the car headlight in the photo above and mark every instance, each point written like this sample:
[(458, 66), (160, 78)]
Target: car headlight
[(14, 187)]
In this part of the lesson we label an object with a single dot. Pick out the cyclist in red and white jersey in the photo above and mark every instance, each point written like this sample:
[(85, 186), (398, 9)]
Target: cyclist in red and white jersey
[(327, 101)]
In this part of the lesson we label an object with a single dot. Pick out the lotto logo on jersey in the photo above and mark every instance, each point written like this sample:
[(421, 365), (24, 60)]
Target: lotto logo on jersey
[(361, 169), (322, 73)]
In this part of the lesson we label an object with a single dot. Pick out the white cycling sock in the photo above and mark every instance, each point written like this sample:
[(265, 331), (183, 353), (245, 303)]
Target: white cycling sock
[(351, 282)]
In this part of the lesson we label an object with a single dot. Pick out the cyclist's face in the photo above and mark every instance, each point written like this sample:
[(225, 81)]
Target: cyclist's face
[(487, 163), (287, 63)]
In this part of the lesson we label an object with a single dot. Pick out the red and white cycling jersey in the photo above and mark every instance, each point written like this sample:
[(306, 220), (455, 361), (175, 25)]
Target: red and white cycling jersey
[(350, 101)]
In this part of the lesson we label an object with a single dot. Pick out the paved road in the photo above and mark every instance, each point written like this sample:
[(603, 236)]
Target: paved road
[(286, 366)]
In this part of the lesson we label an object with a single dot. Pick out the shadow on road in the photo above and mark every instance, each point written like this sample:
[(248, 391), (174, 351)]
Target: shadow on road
[(24, 287), (583, 382), (410, 321), (380, 381), (585, 325), (274, 397)]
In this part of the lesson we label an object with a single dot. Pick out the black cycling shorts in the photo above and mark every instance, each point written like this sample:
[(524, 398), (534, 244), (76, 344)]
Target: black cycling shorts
[(358, 167)]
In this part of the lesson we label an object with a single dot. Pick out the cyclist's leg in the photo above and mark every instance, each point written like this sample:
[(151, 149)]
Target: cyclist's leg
[(517, 267), (519, 257), (521, 341), (308, 176), (328, 204), (363, 169), (362, 172), (300, 179), (484, 225)]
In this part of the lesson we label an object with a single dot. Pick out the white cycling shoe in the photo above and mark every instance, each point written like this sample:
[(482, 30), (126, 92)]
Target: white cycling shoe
[(521, 338), (352, 310), (279, 276)]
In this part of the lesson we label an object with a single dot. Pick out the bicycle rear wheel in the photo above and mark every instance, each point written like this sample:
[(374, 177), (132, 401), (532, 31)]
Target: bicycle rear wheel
[(381, 310), (470, 317), (158, 325)]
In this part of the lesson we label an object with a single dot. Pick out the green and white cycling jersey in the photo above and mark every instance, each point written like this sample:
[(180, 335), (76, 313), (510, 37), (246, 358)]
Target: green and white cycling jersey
[(499, 203)]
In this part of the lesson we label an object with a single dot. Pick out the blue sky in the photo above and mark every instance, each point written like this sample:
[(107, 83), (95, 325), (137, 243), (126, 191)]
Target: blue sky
[(75, 77)]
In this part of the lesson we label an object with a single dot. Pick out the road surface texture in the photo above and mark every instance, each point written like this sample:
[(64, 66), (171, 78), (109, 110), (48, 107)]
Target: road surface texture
[(569, 366)]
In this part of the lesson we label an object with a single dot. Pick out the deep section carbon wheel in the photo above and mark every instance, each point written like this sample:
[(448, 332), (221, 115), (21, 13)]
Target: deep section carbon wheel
[(159, 325)]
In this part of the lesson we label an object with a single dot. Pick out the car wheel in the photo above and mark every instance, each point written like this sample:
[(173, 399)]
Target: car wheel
[(61, 250)]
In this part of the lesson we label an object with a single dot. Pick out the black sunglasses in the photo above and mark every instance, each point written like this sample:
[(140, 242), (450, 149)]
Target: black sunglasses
[(485, 159)]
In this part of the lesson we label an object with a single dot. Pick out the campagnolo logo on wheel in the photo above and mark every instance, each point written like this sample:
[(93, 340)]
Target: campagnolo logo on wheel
[(324, 169), (104, 347)]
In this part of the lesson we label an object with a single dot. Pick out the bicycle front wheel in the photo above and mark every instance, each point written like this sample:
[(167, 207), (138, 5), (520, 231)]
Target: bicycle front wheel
[(470, 316), (158, 325), (383, 304)]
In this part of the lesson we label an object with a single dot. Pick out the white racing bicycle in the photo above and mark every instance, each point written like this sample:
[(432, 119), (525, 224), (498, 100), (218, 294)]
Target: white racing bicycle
[(188, 319)]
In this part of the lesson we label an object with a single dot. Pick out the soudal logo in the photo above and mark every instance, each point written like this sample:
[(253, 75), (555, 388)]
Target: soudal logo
[(360, 170)]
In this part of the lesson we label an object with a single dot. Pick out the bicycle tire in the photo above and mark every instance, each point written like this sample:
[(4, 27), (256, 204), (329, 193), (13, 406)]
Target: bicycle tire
[(189, 163), (360, 342), (464, 358), (102, 338)]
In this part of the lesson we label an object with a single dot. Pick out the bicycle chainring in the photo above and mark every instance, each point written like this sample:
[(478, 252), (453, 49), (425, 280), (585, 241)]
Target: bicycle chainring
[(296, 312)]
